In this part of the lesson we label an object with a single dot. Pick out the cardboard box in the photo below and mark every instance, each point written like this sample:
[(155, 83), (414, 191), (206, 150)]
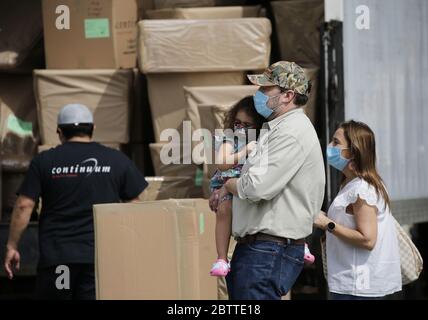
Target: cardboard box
[(166, 95), (155, 250), (232, 12), (210, 45), (101, 34), (298, 30), (163, 188), (107, 93), (19, 132), (21, 31)]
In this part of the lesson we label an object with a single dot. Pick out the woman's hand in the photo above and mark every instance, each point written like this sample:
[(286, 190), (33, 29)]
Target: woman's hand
[(321, 221)]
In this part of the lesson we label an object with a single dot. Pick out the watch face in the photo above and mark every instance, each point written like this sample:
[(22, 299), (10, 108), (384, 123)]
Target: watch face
[(331, 226)]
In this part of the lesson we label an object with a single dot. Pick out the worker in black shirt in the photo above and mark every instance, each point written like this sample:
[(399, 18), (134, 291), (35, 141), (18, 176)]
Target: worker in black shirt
[(70, 179)]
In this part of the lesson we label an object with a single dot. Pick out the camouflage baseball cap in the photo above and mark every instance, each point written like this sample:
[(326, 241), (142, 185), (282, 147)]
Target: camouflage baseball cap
[(287, 75)]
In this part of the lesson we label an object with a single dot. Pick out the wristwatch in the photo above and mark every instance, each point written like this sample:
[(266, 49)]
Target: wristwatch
[(331, 226)]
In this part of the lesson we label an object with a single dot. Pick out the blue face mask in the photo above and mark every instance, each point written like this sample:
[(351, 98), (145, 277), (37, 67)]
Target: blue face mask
[(260, 102), (335, 159)]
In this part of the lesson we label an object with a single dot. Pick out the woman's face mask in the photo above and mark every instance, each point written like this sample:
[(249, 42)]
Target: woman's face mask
[(260, 102), (335, 159)]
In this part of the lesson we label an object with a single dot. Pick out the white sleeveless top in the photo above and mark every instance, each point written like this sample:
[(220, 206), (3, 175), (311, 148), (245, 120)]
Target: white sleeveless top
[(357, 271)]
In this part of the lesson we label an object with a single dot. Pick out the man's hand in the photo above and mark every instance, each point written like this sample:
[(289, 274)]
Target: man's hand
[(214, 199), (321, 221), (11, 261), (251, 146)]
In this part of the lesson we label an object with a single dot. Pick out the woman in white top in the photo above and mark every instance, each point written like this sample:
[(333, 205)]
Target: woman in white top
[(363, 260)]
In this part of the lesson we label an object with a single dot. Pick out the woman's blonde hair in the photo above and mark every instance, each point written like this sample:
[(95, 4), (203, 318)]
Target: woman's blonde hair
[(362, 144)]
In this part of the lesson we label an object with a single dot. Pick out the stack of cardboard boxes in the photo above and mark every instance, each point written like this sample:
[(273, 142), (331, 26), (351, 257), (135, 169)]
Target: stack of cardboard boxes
[(186, 47), (90, 56)]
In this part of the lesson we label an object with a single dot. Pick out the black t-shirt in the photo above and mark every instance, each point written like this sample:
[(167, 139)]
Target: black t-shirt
[(70, 179)]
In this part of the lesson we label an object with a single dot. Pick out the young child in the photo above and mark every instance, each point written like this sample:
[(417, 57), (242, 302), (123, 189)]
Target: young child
[(240, 119)]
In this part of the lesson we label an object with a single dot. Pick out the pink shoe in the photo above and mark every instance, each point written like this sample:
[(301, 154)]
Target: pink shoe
[(308, 257), (220, 268)]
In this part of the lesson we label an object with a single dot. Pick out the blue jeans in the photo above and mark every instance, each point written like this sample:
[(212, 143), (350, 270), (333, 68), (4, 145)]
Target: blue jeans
[(264, 270), (338, 296)]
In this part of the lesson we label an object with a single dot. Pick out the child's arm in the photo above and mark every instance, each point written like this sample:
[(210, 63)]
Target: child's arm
[(228, 159)]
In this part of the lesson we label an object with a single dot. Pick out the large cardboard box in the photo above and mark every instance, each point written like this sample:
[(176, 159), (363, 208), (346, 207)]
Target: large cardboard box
[(166, 95), (100, 35), (163, 188), (210, 45), (107, 93), (206, 13), (298, 25), (19, 132), (21, 31), (155, 250)]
